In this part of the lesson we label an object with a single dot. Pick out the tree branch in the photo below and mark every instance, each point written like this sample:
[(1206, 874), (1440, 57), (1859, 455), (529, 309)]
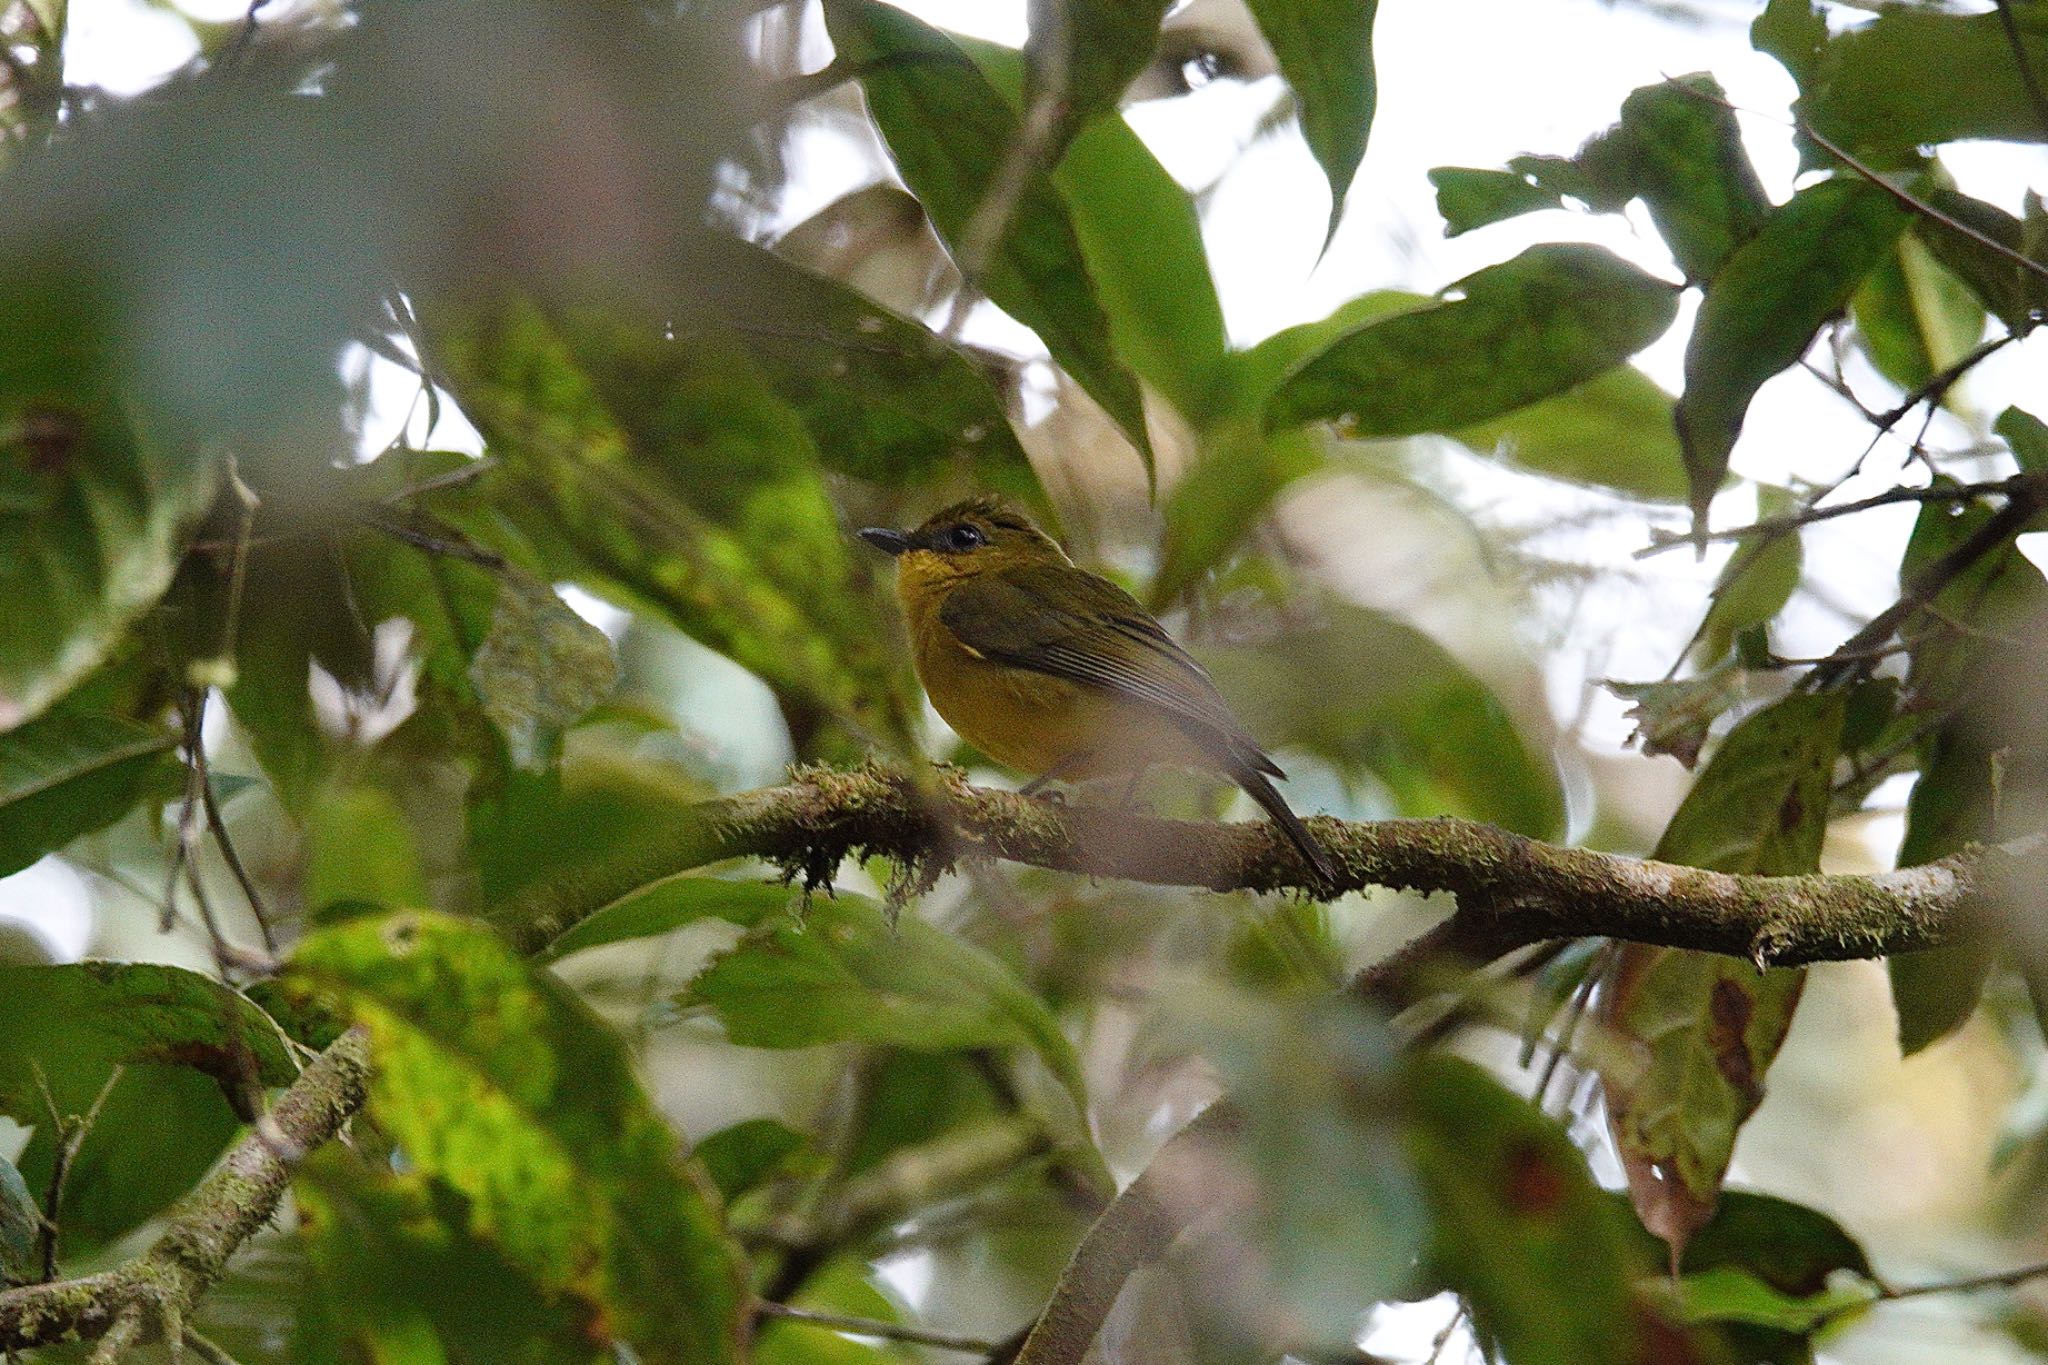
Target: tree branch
[(1511, 890), (211, 1222)]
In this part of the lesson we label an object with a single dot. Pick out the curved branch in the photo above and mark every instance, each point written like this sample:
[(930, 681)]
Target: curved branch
[(221, 1213), (1511, 891)]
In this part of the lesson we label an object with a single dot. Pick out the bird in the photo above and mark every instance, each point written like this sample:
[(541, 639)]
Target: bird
[(1053, 670)]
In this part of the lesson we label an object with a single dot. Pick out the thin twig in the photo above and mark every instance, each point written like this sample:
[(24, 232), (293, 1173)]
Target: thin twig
[(1999, 1279), (233, 859), (1927, 584), (69, 1138), (210, 1352), (2017, 43), (875, 1327), (1791, 521)]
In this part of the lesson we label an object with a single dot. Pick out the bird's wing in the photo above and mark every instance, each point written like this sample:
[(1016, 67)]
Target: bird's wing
[(1069, 623)]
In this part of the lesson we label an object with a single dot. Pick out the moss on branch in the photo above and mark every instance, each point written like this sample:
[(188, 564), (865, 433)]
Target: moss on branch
[(1510, 890), (221, 1213)]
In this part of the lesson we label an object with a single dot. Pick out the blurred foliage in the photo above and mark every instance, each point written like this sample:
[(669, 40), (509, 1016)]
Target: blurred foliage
[(450, 689)]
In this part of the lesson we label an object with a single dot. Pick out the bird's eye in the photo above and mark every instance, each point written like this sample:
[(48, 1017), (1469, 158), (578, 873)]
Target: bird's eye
[(965, 537)]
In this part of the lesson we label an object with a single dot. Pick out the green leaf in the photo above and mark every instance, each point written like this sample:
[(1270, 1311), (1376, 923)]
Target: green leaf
[(1793, 31), (1550, 319), (664, 473), (1731, 1294), (740, 1157), (1968, 680), (1221, 500), (1680, 150), (2007, 288), (950, 133), (1965, 82), (862, 979), (1143, 243), (1788, 1246), (1709, 1026), (1142, 240), (669, 905), (1255, 373), (842, 1287), (1613, 431), (493, 1078), (397, 1274), (93, 510), (361, 850), (194, 1054), (1469, 198), (1760, 805), (1521, 1232), (1756, 583), (1765, 305), (1914, 316), (1102, 44), (2028, 437), (1367, 691), (1325, 51), (1674, 717), (541, 667), (1315, 1079), (882, 396), (73, 770), (21, 1222)]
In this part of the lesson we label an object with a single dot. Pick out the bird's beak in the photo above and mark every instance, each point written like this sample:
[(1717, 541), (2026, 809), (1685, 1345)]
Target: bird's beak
[(885, 540)]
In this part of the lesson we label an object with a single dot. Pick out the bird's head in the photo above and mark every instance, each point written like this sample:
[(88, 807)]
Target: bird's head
[(980, 535)]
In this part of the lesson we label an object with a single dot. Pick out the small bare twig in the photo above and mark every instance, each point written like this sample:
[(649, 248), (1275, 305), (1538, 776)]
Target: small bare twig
[(1790, 521), (69, 1135), (875, 1327)]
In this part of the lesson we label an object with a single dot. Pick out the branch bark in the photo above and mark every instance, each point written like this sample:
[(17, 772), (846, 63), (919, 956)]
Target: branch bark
[(1511, 891), (221, 1213)]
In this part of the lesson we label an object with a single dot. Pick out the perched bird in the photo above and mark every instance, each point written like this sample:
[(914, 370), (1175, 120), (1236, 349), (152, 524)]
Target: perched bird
[(1055, 671)]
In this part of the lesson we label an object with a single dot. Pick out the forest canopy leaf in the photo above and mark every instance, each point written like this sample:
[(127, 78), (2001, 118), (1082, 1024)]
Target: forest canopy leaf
[(1550, 319), (665, 473), (950, 133), (194, 1057), (399, 1275), (495, 1080), (1522, 1232), (1765, 305), (882, 396), (862, 979), (1101, 46), (1613, 431), (73, 770), (1710, 1025), (1408, 713), (1325, 52), (1679, 149), (1966, 80)]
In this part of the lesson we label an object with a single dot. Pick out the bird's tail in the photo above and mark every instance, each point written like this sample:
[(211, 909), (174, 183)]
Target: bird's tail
[(1263, 792)]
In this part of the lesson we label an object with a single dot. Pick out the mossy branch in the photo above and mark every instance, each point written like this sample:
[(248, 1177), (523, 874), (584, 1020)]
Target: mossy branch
[(153, 1293), (1511, 891)]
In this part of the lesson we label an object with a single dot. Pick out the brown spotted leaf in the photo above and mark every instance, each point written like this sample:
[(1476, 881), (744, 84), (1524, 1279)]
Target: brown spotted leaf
[(1706, 1027)]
